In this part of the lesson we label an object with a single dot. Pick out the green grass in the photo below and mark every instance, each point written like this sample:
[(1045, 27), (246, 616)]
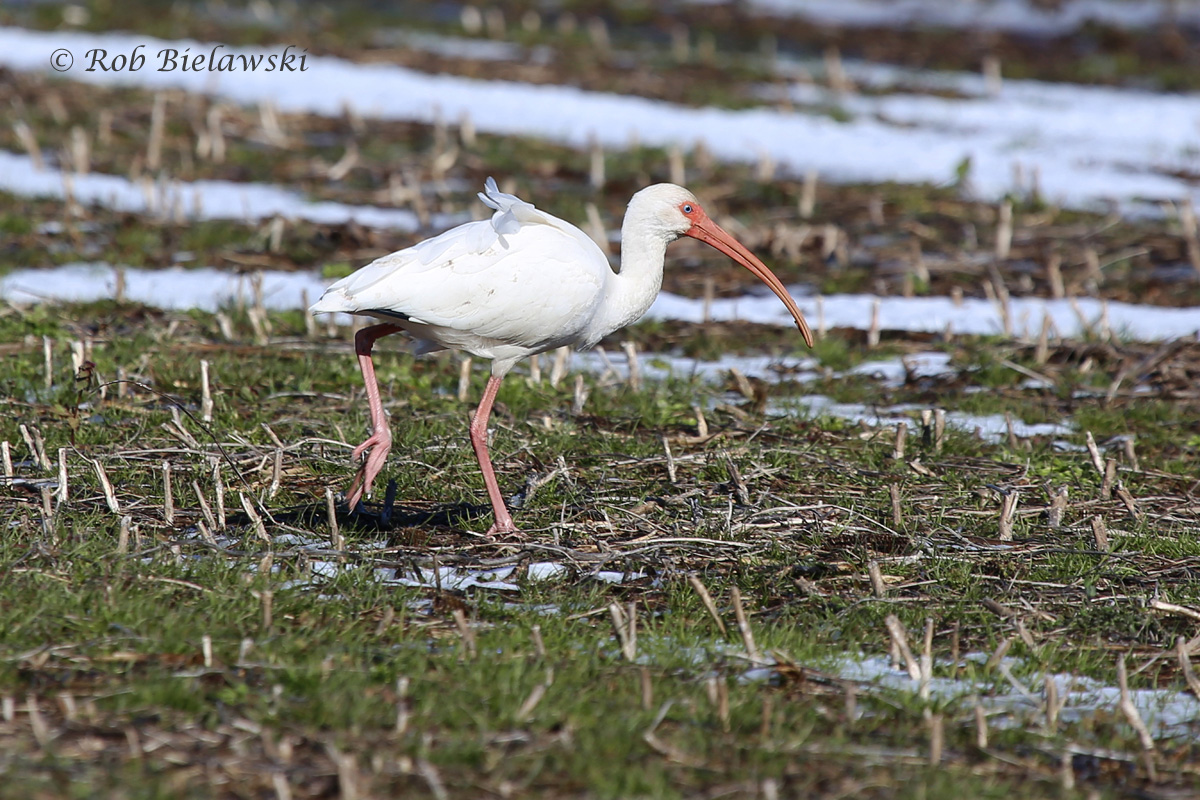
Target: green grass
[(122, 633)]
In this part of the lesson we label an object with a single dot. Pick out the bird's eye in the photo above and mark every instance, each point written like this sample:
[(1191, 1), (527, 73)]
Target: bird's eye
[(687, 208)]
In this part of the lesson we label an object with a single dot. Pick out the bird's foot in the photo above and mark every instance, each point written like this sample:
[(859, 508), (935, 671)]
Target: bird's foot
[(379, 444), (505, 528), (380, 440)]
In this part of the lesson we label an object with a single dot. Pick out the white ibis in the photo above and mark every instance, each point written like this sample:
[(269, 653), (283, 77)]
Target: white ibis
[(520, 283)]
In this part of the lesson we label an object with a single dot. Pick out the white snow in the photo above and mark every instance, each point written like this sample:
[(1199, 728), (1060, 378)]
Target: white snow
[(1090, 145), (246, 202), (1166, 712), (990, 427), (208, 289), (1013, 16)]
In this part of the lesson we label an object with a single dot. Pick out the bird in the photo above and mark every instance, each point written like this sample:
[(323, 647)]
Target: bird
[(519, 283)]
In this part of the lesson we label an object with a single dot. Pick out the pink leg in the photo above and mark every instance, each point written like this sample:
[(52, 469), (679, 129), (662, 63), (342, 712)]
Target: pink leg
[(380, 440), (503, 522)]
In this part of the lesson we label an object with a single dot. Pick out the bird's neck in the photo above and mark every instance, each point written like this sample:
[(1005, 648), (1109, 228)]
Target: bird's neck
[(631, 291)]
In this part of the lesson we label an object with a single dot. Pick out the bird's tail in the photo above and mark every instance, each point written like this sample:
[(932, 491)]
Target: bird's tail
[(511, 210)]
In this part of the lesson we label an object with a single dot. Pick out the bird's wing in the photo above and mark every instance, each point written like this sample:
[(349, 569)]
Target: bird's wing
[(522, 277)]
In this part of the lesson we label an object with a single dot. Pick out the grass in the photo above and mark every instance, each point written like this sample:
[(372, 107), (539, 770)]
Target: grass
[(195, 657), (302, 681)]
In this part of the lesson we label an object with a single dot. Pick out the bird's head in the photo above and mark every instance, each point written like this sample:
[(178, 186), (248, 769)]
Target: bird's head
[(672, 211)]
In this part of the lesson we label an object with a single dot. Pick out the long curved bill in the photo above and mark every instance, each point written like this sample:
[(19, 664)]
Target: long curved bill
[(714, 235)]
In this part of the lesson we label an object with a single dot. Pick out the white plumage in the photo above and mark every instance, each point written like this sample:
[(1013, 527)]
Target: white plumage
[(519, 283)]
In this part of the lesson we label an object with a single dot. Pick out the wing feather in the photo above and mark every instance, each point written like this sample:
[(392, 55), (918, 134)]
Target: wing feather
[(523, 277)]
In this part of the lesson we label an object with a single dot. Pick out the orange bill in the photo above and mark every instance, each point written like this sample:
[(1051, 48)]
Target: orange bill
[(713, 234)]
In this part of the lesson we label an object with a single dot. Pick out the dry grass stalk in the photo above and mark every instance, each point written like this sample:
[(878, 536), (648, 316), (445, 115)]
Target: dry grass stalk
[(707, 600), (168, 496), (822, 328), (1131, 454), (631, 359), (647, 689), (205, 509), (1130, 710), (997, 656), (744, 625), (873, 331), (1054, 276), (216, 135), (464, 379), (6, 458), (158, 115), (1094, 452), (900, 641), (431, 776), (897, 512), (336, 540), (1004, 230), (106, 486), (671, 472), (808, 194), (898, 444), (939, 429), (580, 395), (877, 584), (1172, 608), (62, 476), (1053, 706), (981, 727), (123, 535), (992, 76), (464, 630), (596, 230), (558, 370), (37, 722), (1127, 500), (401, 706), (625, 625), (596, 164), (735, 479), (927, 660), (30, 143), (937, 736), (1058, 506), (276, 474), (81, 150), (1008, 507), (219, 490), (30, 446), (710, 289), (48, 360), (764, 170), (259, 529), (531, 702), (1110, 477), (835, 72), (1041, 352), (1185, 666)]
